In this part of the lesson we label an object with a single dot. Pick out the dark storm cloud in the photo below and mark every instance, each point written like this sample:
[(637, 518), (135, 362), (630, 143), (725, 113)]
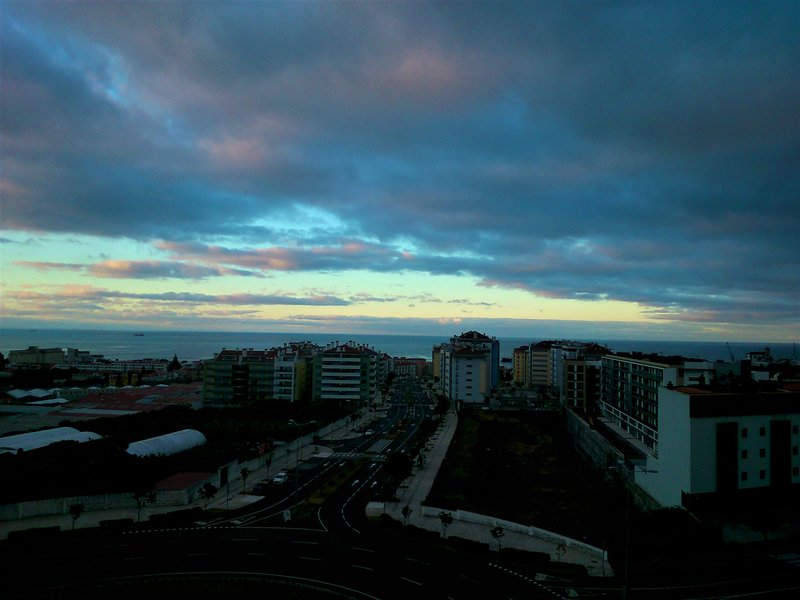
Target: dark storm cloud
[(624, 151)]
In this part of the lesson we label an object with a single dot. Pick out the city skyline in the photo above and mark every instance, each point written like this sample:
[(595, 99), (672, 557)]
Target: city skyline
[(545, 169)]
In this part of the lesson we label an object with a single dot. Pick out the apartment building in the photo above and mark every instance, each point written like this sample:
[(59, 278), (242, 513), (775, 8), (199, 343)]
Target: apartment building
[(520, 364), (239, 377), (579, 380), (35, 356), (720, 442), (347, 374), (470, 366), (413, 367), (293, 371), (629, 388)]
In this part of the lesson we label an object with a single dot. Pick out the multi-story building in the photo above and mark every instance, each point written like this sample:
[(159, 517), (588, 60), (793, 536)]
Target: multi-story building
[(293, 371), (347, 374), (521, 366), (470, 366), (414, 367), (239, 377), (629, 391), (717, 442), (35, 356), (580, 369)]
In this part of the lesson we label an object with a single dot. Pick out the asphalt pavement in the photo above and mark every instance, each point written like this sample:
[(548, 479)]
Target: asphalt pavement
[(411, 494)]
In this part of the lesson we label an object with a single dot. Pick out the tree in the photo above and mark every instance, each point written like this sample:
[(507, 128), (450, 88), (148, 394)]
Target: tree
[(76, 510), (143, 497), (174, 365), (406, 513), (497, 533), (398, 465), (447, 520), (245, 472), (207, 492)]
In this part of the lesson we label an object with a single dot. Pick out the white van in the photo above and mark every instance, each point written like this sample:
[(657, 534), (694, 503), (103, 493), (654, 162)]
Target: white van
[(281, 477)]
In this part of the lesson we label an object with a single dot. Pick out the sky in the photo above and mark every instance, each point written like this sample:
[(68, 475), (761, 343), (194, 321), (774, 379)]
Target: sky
[(530, 169)]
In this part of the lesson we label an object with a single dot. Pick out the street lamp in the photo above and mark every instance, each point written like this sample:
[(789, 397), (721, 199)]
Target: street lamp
[(628, 493)]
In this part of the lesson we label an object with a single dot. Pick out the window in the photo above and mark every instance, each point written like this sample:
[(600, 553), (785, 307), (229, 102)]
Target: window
[(795, 471), (744, 453), (762, 474), (744, 432), (744, 475), (794, 450), (762, 431), (762, 452)]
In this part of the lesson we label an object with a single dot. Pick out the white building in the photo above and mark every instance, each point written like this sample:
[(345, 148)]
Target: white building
[(470, 367), (716, 443)]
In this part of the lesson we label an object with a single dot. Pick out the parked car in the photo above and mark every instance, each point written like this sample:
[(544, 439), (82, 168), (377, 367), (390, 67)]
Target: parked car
[(281, 477), (369, 432)]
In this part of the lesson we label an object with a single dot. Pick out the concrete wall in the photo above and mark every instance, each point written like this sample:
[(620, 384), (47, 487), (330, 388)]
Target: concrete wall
[(556, 538), (590, 443)]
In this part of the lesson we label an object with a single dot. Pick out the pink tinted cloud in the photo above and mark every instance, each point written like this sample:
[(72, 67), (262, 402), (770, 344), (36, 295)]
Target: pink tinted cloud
[(49, 266)]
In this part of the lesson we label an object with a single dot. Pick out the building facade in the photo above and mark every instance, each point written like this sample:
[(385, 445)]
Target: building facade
[(714, 443), (470, 367)]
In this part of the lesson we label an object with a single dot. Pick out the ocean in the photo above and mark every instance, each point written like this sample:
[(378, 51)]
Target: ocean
[(197, 345)]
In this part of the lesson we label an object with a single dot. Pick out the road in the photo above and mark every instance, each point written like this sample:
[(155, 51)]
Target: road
[(342, 555)]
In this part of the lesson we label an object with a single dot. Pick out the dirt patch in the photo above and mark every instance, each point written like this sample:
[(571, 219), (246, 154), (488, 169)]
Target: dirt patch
[(521, 467)]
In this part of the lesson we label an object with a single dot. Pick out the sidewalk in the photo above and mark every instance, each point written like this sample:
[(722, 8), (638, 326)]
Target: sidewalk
[(229, 497), (420, 485)]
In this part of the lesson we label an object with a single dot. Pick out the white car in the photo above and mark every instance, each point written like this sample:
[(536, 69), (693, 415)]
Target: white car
[(281, 477)]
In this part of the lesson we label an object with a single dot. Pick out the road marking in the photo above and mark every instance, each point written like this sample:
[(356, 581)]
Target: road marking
[(309, 558), (305, 542), (416, 560), (411, 581), (244, 540), (363, 567), (363, 549)]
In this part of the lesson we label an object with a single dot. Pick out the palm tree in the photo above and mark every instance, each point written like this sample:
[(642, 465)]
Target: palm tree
[(142, 497), (497, 533), (76, 510), (406, 513), (447, 519), (207, 492), (245, 472)]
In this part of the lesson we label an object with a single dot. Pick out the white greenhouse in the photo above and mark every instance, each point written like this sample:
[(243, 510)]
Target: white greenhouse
[(168, 444), (39, 439)]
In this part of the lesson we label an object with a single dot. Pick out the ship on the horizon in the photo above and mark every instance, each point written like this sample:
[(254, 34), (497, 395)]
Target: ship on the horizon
[(138, 334)]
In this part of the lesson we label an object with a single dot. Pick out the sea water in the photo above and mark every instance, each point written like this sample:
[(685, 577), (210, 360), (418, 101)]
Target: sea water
[(198, 345)]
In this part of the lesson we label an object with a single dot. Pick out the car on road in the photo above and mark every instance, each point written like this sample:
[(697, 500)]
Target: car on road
[(369, 432), (260, 489), (280, 478)]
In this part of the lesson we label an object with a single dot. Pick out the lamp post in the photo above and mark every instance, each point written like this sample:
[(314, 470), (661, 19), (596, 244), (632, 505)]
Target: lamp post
[(628, 492)]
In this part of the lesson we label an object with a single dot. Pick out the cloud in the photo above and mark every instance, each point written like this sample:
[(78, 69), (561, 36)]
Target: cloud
[(613, 151)]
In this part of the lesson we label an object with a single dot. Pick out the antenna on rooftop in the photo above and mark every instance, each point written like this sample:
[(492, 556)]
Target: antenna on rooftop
[(730, 352)]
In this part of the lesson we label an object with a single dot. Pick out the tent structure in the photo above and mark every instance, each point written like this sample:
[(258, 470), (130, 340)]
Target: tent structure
[(39, 439), (168, 444)]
